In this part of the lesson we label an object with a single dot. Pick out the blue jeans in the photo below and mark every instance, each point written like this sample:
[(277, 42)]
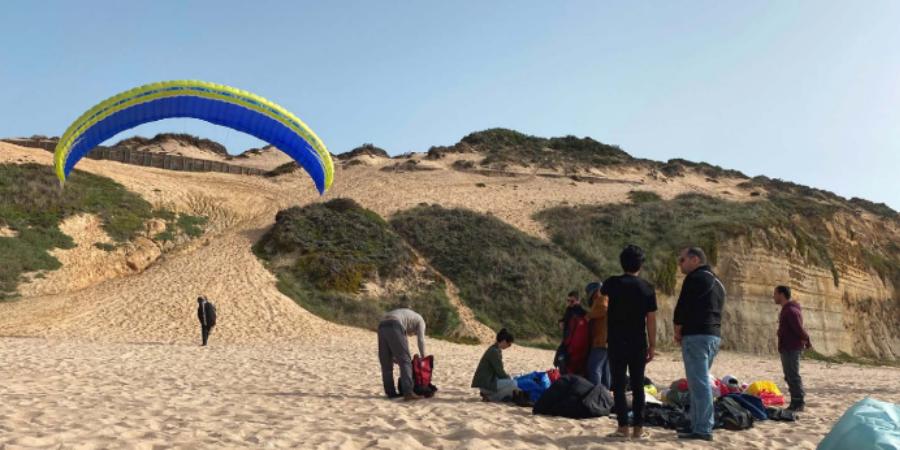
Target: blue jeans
[(698, 352), (505, 389), (598, 367)]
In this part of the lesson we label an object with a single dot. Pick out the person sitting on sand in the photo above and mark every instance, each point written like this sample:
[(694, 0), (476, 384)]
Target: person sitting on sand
[(206, 312), (490, 376), (393, 348)]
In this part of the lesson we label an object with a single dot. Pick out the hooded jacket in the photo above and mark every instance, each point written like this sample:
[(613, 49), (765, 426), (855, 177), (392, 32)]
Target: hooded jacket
[(791, 334)]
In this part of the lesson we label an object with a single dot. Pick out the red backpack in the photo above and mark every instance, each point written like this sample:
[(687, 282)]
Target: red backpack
[(422, 370)]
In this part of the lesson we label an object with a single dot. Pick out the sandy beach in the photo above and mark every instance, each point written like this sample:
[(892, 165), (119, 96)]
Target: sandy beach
[(326, 393), (96, 356)]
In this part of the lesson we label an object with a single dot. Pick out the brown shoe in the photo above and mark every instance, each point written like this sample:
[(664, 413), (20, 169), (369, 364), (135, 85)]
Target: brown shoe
[(411, 397), (639, 433), (621, 433)]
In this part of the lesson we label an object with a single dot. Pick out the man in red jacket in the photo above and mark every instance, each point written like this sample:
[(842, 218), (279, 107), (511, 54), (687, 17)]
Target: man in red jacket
[(792, 339)]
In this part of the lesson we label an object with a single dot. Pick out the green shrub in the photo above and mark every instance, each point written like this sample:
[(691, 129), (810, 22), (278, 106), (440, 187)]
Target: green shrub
[(191, 225), (105, 247), (879, 209), (503, 148), (505, 276), (595, 235), (362, 150), (639, 197), (323, 253), (32, 202), (432, 303), (289, 167)]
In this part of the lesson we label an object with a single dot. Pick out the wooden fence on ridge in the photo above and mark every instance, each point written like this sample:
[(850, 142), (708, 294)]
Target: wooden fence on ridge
[(148, 159)]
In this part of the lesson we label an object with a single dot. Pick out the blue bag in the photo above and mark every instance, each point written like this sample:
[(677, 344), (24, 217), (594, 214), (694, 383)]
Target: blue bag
[(534, 383)]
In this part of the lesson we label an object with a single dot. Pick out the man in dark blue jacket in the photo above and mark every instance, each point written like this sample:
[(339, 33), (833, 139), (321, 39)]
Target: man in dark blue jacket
[(206, 312), (792, 339), (698, 329)]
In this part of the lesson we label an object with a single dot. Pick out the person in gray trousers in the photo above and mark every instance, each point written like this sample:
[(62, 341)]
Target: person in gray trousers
[(393, 348)]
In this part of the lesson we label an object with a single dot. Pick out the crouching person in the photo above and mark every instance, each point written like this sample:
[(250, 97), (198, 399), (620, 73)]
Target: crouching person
[(393, 348), (496, 385)]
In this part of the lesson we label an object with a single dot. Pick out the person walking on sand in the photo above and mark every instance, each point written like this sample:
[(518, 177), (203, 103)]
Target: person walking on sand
[(393, 348), (698, 329), (598, 361), (631, 337), (206, 312), (792, 339)]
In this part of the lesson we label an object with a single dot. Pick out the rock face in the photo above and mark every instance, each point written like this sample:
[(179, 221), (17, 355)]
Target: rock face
[(859, 316), (144, 253)]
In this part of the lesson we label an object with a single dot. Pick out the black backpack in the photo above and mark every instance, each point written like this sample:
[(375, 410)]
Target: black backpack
[(732, 416)]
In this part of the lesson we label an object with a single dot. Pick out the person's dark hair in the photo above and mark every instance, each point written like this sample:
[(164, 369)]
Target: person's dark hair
[(698, 252), (575, 294), (784, 290), (200, 299), (505, 335), (632, 258)]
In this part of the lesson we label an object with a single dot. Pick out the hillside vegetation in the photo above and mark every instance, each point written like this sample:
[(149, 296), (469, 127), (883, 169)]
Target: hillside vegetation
[(325, 256), (364, 150), (503, 148), (508, 278), (32, 206), (595, 235)]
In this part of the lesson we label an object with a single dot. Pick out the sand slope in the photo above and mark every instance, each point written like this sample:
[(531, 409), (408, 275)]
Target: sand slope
[(277, 376), (327, 395)]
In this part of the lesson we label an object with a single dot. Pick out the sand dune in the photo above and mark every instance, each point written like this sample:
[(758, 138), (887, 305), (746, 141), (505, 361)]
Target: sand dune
[(114, 364)]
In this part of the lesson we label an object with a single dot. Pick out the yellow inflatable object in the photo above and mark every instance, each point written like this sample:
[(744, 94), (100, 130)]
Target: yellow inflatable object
[(762, 386)]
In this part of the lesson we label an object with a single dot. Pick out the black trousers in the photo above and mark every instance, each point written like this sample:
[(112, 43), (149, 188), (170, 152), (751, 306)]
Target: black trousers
[(205, 331), (631, 359), (790, 365)]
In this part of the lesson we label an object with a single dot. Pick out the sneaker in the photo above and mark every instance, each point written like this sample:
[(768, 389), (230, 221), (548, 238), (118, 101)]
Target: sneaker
[(696, 437), (411, 397)]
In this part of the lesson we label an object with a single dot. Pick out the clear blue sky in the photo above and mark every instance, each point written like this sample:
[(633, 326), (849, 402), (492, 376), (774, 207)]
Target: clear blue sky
[(807, 91)]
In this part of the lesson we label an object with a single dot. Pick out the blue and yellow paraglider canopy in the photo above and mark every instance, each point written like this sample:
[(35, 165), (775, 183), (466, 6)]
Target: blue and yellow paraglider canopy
[(214, 103)]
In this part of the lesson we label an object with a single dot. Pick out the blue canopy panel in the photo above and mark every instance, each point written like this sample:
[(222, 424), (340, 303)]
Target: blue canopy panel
[(217, 112)]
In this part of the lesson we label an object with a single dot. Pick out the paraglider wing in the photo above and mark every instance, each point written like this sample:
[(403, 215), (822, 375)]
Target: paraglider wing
[(221, 105)]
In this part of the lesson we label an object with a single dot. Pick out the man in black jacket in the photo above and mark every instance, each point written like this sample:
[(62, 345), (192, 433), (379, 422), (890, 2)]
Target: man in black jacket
[(698, 324), (574, 308), (206, 312)]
